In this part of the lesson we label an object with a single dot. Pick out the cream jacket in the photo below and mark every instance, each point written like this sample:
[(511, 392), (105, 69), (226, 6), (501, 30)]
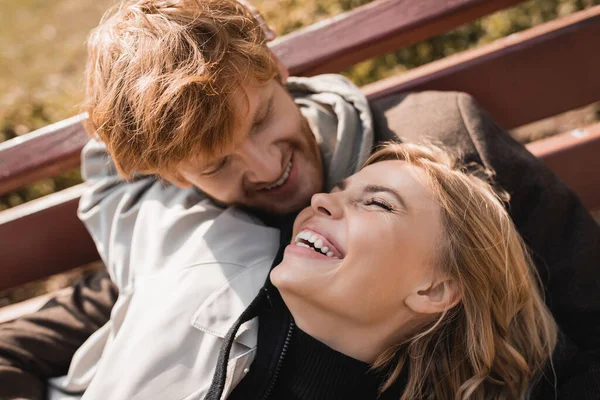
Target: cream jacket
[(180, 289)]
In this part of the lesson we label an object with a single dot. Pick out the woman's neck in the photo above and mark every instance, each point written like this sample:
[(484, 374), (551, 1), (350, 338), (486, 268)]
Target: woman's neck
[(363, 342)]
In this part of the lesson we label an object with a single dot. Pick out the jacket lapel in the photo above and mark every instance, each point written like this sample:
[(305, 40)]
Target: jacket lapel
[(223, 307)]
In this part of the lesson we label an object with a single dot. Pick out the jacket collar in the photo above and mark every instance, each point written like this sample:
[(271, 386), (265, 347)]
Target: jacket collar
[(223, 307)]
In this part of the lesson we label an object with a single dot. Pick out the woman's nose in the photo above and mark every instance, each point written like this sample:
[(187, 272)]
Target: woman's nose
[(327, 205)]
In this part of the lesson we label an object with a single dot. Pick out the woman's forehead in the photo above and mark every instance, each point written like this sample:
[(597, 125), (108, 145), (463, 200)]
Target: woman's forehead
[(394, 173)]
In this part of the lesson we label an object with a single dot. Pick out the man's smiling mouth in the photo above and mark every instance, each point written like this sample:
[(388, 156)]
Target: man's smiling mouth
[(283, 179)]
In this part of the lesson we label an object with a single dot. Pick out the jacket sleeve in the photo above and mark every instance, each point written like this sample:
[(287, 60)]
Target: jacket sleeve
[(136, 223), (40, 345), (563, 237), (109, 207)]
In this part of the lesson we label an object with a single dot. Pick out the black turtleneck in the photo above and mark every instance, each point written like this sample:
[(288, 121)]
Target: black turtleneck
[(292, 365), (312, 370)]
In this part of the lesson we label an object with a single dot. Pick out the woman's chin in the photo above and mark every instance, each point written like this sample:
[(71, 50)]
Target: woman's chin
[(300, 273), (309, 255), (285, 276)]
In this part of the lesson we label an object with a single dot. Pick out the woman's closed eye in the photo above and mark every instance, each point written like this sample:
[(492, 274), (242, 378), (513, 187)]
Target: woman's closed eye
[(377, 202)]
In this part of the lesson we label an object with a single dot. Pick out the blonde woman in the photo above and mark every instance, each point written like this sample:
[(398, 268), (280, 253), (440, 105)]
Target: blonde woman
[(407, 281)]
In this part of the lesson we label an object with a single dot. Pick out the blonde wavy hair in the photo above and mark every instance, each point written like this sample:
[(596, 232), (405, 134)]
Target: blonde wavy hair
[(160, 74), (496, 341)]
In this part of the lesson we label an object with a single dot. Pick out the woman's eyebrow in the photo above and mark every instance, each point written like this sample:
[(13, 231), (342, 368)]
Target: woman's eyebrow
[(379, 189), (341, 185)]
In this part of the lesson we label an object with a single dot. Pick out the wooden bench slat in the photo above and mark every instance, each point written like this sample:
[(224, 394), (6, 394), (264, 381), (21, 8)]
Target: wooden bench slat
[(42, 238), (41, 154), (575, 157), (522, 78), (374, 29)]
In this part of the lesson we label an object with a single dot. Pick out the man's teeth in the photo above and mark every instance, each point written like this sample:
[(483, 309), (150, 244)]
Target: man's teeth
[(317, 244), (283, 178)]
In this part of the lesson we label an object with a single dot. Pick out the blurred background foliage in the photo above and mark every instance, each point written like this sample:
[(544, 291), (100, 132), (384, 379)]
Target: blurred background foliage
[(42, 56)]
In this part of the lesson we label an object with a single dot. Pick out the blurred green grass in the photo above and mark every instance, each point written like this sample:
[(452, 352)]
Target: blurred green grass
[(42, 57)]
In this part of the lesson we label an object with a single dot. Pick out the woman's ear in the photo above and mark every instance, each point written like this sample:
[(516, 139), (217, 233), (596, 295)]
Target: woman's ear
[(434, 298)]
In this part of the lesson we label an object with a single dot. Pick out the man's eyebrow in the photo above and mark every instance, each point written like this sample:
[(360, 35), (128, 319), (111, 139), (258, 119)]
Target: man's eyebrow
[(378, 189)]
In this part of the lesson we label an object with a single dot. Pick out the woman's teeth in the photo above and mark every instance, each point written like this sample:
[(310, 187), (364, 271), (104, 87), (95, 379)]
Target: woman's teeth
[(313, 243), (283, 178)]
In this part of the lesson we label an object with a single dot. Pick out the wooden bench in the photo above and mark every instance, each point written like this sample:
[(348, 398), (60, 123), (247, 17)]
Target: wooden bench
[(519, 79)]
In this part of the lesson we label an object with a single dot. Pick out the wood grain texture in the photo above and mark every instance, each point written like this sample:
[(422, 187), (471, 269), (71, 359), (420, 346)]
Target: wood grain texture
[(522, 78), (370, 30), (374, 29), (575, 157), (41, 154), (42, 238)]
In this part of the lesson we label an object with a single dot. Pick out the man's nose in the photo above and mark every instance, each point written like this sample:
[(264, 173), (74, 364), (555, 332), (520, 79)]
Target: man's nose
[(327, 205), (263, 163)]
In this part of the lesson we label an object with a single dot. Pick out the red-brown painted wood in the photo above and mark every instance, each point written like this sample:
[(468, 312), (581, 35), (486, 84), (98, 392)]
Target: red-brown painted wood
[(575, 157), (374, 29), (42, 238), (41, 154), (522, 78)]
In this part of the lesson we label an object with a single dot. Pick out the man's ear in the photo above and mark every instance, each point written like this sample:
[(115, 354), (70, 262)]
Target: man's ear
[(284, 73), (434, 298), (180, 182)]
